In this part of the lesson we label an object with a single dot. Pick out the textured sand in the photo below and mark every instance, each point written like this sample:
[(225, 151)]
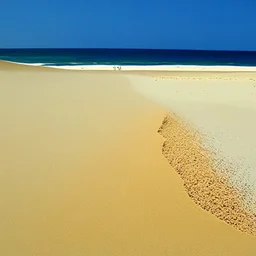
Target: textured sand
[(82, 173), (223, 110), (183, 150)]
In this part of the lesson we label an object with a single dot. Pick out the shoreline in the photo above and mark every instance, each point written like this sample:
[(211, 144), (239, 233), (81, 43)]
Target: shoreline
[(171, 68)]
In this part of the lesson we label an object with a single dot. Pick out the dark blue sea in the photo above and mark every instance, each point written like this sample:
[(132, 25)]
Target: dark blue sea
[(61, 57)]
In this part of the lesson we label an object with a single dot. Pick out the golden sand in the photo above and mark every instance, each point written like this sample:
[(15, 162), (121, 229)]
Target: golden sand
[(81, 173)]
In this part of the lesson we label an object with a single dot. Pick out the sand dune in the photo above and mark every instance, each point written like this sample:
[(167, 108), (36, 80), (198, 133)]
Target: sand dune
[(82, 172)]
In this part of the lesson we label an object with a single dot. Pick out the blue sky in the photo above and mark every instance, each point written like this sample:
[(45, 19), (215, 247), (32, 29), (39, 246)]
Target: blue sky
[(180, 24)]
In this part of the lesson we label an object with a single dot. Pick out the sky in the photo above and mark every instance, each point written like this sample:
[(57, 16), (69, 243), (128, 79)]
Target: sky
[(154, 24)]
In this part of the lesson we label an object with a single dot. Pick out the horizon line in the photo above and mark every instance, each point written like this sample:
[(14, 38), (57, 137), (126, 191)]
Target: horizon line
[(112, 48)]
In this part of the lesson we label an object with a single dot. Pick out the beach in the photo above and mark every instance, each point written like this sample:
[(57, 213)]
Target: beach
[(104, 162)]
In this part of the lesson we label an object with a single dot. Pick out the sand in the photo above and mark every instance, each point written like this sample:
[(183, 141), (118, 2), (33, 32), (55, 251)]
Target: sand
[(223, 110), (82, 171)]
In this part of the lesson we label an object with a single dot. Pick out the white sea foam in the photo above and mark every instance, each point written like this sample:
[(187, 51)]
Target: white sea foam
[(157, 68), (26, 64), (144, 67)]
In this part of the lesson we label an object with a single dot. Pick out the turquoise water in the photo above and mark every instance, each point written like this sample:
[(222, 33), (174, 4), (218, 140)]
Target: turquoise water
[(60, 57)]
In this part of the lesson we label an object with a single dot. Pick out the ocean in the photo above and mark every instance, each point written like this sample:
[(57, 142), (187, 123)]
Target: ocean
[(140, 57)]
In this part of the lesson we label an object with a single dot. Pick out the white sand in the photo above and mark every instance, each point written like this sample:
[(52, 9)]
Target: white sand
[(224, 111)]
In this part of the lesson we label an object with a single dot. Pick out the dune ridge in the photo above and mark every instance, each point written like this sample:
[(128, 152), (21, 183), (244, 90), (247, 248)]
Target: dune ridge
[(182, 149)]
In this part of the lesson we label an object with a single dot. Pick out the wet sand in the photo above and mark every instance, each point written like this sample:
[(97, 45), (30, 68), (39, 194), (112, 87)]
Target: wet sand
[(82, 172)]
